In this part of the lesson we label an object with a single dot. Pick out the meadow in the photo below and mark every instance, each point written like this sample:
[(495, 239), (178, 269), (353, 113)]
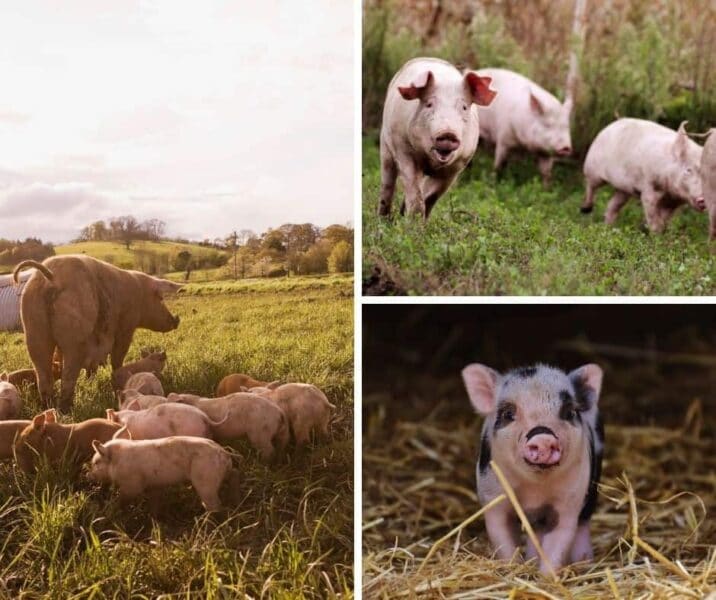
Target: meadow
[(509, 235), (288, 534)]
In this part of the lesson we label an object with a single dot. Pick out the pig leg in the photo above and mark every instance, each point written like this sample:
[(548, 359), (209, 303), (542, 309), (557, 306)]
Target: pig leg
[(582, 545), (501, 152), (411, 182), (120, 349), (432, 189), (558, 542), (302, 433), (500, 525), (655, 219), (71, 367), (619, 199), (41, 356), (261, 442), (588, 204), (544, 164), (388, 176)]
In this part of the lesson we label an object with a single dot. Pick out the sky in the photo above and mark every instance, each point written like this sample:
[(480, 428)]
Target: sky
[(211, 116)]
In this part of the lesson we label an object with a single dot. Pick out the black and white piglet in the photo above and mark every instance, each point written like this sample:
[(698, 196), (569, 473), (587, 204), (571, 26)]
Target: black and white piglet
[(542, 428)]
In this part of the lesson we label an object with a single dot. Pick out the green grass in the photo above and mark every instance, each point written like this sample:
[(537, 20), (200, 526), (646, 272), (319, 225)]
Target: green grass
[(288, 534), (119, 253), (510, 236)]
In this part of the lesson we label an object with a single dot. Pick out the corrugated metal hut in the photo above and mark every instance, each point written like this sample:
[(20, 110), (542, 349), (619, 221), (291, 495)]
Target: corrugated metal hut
[(10, 301)]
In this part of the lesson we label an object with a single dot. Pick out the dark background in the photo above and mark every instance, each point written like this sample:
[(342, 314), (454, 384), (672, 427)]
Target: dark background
[(657, 359)]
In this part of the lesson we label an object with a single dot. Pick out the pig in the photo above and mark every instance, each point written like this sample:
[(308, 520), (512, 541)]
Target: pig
[(234, 382), (525, 116), (164, 420), (645, 159), (542, 428), (137, 466), (44, 436), (153, 362), (10, 401), (429, 132), (27, 376), (256, 417), (305, 406), (144, 400), (88, 309), (708, 175), (145, 383)]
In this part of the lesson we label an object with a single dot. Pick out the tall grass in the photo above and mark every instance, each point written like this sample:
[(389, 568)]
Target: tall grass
[(288, 534)]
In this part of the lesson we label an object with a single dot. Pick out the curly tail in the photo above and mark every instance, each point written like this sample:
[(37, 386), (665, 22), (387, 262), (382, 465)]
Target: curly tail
[(31, 263)]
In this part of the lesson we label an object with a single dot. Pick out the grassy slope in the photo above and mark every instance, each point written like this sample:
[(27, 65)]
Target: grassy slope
[(120, 253), (290, 533), (511, 236)]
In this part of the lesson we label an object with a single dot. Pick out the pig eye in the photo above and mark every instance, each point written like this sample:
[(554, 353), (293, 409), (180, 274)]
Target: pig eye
[(507, 414), (464, 107), (429, 104)]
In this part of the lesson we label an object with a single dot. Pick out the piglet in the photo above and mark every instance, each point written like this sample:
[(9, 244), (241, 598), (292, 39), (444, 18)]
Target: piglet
[(305, 406), (150, 363), (10, 401), (145, 383), (542, 428), (234, 382), (145, 465), (143, 400), (164, 420), (44, 436)]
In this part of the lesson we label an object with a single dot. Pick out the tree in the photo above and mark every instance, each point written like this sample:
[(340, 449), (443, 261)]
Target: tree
[(337, 233), (341, 258)]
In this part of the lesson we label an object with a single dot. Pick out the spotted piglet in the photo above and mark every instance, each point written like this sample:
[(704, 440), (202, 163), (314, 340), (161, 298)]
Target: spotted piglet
[(542, 428)]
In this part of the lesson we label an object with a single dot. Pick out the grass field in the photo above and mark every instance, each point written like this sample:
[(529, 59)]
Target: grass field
[(119, 252), (510, 236), (289, 535)]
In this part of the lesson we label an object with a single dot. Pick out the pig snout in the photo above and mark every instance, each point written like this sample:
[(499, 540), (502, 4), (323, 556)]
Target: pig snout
[(542, 448), (700, 204), (445, 144), (564, 151)]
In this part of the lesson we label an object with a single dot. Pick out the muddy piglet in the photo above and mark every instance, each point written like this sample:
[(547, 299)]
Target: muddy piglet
[(542, 428)]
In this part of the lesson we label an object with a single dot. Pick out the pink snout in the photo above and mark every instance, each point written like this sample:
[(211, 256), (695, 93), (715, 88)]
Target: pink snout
[(700, 203), (446, 143), (542, 450), (564, 151)]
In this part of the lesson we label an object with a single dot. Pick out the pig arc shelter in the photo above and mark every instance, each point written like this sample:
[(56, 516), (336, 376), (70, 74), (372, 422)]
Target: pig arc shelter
[(10, 301)]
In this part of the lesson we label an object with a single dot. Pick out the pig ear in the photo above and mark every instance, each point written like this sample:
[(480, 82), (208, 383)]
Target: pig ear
[(3, 377), (122, 434), (50, 415), (587, 382), (568, 105), (164, 286), (536, 105), (480, 89), (144, 352), (274, 384), (681, 145), (99, 448), (417, 87), (134, 405), (38, 422), (480, 382)]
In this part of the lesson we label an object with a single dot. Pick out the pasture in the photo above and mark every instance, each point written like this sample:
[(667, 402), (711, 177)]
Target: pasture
[(509, 235), (288, 534)]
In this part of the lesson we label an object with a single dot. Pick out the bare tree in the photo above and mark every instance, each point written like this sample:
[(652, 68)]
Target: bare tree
[(577, 43)]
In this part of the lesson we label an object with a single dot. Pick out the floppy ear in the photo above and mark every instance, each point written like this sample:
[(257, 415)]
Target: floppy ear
[(536, 105), (164, 286), (480, 88), (274, 384), (50, 415), (568, 105), (680, 148), (99, 448), (134, 405), (587, 382), (38, 422), (418, 87), (481, 383)]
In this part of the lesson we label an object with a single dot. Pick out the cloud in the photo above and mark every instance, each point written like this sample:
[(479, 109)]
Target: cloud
[(52, 200), (13, 117)]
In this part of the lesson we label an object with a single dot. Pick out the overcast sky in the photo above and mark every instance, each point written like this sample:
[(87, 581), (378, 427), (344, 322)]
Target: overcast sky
[(211, 116)]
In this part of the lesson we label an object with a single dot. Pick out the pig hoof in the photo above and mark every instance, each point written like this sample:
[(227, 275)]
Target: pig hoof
[(585, 210)]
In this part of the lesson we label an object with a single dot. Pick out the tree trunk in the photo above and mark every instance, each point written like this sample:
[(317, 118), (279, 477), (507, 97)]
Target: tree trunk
[(576, 44)]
